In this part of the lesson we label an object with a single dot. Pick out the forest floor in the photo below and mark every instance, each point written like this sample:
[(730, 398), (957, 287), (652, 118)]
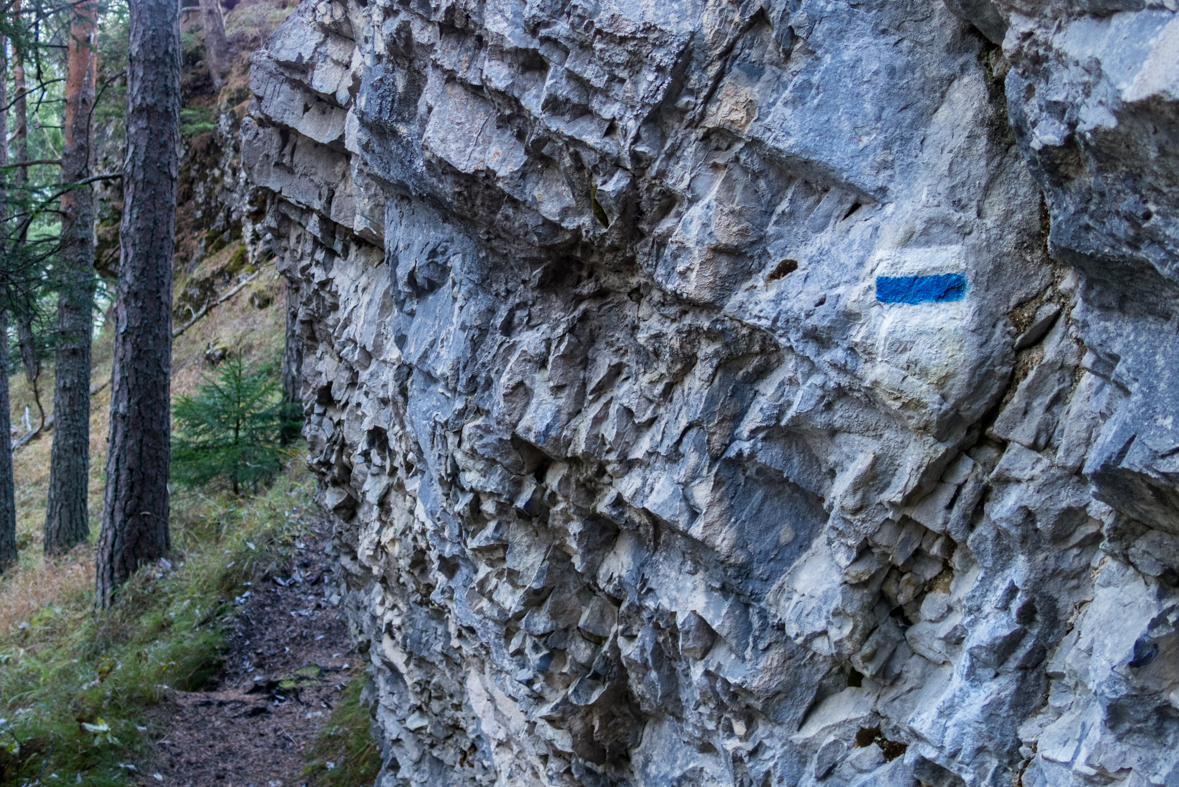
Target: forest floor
[(226, 664), (286, 665)]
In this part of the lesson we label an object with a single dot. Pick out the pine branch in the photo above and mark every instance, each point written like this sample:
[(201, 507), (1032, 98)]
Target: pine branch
[(35, 162)]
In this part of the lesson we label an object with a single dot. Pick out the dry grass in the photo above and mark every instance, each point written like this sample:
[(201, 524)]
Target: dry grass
[(43, 583), (236, 325), (249, 24)]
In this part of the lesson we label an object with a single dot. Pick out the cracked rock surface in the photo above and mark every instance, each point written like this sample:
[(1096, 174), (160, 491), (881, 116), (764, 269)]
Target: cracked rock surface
[(742, 393)]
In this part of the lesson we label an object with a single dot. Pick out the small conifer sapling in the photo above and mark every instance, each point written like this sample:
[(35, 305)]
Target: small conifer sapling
[(229, 431)]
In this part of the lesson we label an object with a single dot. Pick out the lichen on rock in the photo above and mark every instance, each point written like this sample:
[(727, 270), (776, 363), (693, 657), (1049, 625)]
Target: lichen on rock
[(741, 394)]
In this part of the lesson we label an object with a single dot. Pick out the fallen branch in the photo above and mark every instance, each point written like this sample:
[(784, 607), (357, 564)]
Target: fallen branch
[(205, 309), (47, 424)]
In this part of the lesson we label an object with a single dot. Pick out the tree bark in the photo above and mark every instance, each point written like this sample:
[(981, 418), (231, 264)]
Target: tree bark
[(20, 109), (8, 553), (292, 370), (216, 46), (135, 501), (20, 145), (28, 347), (66, 518)]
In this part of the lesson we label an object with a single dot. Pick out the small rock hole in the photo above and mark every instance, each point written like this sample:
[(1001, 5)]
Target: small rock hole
[(869, 735), (855, 206), (448, 567), (599, 211), (783, 268), (855, 679), (1144, 653), (891, 749), (898, 614)]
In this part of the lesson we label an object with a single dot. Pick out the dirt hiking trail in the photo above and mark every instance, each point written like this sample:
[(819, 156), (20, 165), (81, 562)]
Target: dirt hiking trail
[(288, 659)]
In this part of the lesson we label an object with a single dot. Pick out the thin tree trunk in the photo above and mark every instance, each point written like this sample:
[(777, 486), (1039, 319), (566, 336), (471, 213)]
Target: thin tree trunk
[(292, 370), (20, 108), (66, 519), (135, 502), (216, 46), (20, 145), (28, 355), (8, 554), (28, 345), (7, 499)]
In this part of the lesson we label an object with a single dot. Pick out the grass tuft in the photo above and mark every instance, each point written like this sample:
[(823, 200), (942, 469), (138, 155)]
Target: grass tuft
[(344, 753)]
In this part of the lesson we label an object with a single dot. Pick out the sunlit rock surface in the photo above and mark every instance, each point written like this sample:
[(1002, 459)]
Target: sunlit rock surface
[(743, 394)]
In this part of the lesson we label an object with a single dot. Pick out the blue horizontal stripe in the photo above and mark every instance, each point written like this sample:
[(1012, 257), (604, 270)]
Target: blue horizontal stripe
[(921, 289)]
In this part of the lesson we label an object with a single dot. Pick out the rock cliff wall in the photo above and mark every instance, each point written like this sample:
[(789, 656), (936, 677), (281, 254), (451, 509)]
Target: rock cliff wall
[(743, 393)]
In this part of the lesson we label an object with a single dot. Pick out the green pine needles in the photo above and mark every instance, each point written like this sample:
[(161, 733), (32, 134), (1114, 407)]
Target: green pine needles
[(229, 432)]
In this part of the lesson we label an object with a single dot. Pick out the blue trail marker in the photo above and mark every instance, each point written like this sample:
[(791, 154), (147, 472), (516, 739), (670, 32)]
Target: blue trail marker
[(941, 288)]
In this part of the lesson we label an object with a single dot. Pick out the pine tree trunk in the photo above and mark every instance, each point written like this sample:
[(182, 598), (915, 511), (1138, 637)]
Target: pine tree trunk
[(8, 553), (20, 119), (216, 46), (292, 370), (20, 147), (66, 518), (135, 502), (28, 346), (7, 499)]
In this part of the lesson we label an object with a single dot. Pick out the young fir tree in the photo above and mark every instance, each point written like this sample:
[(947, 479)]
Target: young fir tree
[(229, 431)]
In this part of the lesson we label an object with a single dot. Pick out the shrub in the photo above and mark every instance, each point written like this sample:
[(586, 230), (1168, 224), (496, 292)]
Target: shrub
[(196, 120)]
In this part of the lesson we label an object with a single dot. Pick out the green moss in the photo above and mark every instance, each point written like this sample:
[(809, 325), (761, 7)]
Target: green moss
[(239, 260), (599, 211), (240, 94), (214, 242)]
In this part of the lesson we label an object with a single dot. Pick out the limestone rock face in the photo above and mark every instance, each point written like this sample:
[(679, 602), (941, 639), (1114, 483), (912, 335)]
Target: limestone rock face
[(716, 393)]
